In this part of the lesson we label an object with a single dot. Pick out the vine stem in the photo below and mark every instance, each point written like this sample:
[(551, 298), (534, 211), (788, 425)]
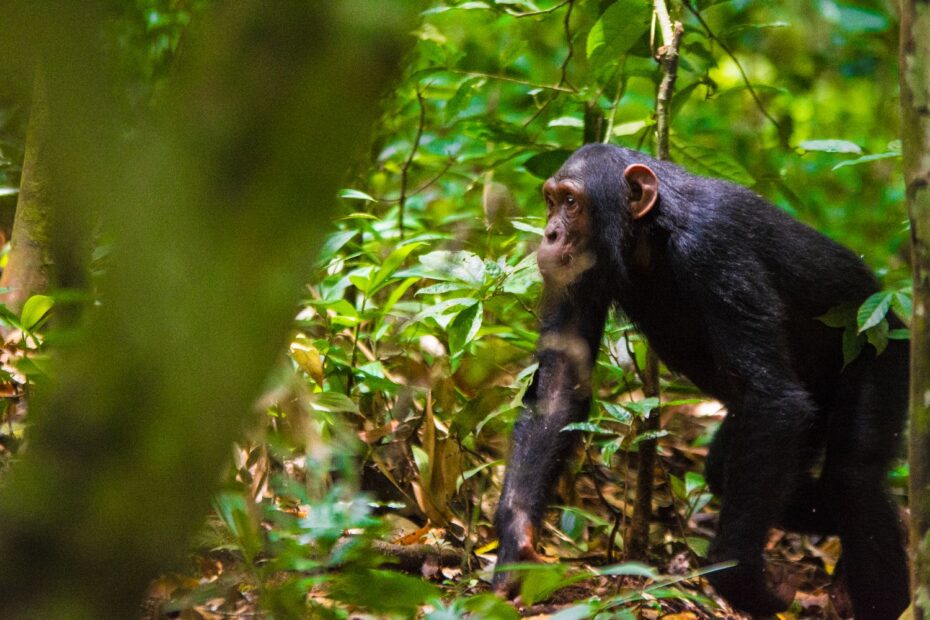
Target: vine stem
[(405, 171), (667, 56)]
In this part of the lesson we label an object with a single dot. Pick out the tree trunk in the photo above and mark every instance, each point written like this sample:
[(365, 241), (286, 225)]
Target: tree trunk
[(915, 133), (27, 269)]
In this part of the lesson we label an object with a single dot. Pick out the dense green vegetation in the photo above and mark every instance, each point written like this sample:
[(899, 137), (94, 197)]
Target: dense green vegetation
[(385, 423)]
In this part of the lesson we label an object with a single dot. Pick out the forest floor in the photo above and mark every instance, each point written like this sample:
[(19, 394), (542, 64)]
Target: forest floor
[(684, 517)]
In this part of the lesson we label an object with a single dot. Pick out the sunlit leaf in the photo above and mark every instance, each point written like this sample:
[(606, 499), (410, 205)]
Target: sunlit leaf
[(831, 146), (619, 28), (866, 159), (710, 162), (354, 194), (35, 310), (873, 310)]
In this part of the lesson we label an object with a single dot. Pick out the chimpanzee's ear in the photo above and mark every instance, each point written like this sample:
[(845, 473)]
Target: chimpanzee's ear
[(644, 189)]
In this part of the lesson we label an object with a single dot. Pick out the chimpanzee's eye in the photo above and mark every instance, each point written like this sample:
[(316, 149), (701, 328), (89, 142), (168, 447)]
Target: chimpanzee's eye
[(569, 199)]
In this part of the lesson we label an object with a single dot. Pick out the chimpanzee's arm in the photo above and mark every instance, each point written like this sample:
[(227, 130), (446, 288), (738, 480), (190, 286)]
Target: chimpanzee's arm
[(559, 395)]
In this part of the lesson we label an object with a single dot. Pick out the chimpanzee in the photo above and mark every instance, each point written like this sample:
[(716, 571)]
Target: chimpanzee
[(727, 289)]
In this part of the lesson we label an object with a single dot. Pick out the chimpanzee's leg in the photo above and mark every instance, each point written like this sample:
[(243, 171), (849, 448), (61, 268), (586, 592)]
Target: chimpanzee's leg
[(864, 435), (762, 469), (560, 394)]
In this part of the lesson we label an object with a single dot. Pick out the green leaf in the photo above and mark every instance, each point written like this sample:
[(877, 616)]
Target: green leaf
[(575, 612), (710, 162), (878, 336), (458, 265), (524, 225), (618, 413), (866, 159), (840, 316), (853, 342), (334, 243), (903, 305), (35, 310), (544, 165), (873, 310), (831, 146), (464, 327), (641, 408), (630, 569), (586, 427), (332, 402), (618, 29), (354, 194), (383, 591)]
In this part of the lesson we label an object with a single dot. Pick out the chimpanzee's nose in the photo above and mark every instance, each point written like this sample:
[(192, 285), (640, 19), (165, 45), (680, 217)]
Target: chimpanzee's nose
[(552, 234)]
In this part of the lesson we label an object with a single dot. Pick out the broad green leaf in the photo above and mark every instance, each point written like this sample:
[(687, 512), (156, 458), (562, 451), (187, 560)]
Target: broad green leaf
[(464, 327), (575, 612), (390, 265), (354, 194), (567, 121), (628, 129), (334, 243), (903, 305), (442, 287), (648, 436), (586, 427), (641, 408), (710, 162), (866, 159), (831, 146), (873, 310), (383, 591), (454, 265), (544, 165), (853, 342), (436, 311), (525, 226), (840, 316), (630, 569), (35, 311), (899, 334), (619, 28), (617, 412), (332, 402), (853, 19), (878, 336)]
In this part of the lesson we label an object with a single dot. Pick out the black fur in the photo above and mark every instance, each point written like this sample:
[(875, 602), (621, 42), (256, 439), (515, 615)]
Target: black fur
[(726, 287)]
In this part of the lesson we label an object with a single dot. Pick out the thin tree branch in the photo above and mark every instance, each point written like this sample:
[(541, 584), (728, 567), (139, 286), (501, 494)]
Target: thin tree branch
[(405, 171), (726, 49), (551, 9)]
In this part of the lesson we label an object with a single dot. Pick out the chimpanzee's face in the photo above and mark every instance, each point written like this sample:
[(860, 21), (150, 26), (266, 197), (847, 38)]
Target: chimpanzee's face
[(565, 250)]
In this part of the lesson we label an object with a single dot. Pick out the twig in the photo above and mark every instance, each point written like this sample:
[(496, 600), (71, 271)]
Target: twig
[(507, 78), (667, 56), (563, 72), (551, 9), (739, 67), (405, 171), (571, 47)]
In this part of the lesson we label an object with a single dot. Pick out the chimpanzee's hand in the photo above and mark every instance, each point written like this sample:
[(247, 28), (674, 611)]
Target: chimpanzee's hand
[(517, 544), (749, 587)]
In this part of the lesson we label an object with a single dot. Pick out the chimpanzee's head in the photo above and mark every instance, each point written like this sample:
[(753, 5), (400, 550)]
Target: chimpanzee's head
[(592, 202)]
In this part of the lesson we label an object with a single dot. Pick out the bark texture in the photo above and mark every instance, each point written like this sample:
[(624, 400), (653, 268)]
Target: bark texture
[(915, 134)]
